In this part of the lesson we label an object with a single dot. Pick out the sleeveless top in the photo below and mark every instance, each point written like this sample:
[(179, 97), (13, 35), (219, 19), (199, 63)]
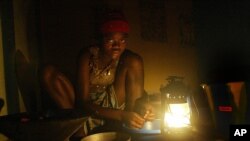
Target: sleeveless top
[(100, 78), (102, 91)]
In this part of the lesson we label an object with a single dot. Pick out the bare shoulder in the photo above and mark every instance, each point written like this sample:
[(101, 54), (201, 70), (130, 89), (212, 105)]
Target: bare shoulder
[(131, 58), (83, 55)]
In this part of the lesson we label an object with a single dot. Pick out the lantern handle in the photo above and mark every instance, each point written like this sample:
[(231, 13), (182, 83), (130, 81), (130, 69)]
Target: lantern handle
[(174, 78)]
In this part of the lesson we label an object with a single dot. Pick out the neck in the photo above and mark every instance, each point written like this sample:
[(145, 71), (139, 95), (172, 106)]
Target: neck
[(104, 58)]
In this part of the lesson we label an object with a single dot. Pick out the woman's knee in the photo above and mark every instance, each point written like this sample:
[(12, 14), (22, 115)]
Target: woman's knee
[(48, 72)]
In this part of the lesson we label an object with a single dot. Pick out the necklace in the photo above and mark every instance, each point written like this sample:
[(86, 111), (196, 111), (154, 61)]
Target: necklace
[(106, 70), (98, 70)]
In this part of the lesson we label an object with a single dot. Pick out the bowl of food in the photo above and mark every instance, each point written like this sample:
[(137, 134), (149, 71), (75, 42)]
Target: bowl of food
[(108, 136)]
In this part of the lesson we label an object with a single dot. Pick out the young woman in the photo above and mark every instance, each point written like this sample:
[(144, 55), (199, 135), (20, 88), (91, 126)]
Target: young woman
[(110, 79)]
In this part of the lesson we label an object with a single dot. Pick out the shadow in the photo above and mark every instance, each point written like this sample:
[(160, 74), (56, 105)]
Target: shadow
[(26, 75), (1, 104)]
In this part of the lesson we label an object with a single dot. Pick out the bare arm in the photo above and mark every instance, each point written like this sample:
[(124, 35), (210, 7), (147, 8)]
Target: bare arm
[(134, 81), (82, 93), (135, 88)]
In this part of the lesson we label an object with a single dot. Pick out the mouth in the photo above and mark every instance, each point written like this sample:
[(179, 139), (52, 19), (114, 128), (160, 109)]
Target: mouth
[(116, 52), (116, 49)]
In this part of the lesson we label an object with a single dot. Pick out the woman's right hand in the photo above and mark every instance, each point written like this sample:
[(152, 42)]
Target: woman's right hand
[(132, 119)]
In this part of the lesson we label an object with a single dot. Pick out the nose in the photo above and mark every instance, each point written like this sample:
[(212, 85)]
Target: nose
[(116, 43)]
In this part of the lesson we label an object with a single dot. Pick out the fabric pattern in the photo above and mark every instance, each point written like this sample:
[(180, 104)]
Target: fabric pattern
[(102, 91)]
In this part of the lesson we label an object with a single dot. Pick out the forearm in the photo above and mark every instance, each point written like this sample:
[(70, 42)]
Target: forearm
[(104, 112)]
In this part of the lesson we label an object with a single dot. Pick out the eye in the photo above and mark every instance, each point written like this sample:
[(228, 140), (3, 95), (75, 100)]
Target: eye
[(123, 41), (110, 41)]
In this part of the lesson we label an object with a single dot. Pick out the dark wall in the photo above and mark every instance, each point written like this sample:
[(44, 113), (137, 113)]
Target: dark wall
[(66, 28), (223, 40)]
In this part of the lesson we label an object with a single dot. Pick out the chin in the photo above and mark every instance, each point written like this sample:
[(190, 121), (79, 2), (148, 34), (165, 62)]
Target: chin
[(115, 56)]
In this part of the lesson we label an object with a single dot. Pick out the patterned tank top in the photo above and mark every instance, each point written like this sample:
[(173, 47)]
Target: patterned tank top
[(100, 78)]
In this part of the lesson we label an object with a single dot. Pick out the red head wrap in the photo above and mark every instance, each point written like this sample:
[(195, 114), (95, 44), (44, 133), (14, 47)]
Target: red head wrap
[(115, 22)]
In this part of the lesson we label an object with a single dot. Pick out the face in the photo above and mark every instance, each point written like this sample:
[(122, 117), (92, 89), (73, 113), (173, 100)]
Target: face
[(114, 44)]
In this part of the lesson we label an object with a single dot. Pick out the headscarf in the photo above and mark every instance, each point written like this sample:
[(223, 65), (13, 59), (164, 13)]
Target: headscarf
[(114, 22)]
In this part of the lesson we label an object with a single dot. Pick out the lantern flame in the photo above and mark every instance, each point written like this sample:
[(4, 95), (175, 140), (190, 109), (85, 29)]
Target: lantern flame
[(177, 116)]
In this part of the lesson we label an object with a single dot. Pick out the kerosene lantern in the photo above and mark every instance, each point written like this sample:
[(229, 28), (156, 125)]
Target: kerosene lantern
[(176, 106)]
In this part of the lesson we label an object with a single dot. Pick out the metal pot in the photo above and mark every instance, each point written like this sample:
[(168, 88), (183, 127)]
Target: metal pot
[(108, 136)]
